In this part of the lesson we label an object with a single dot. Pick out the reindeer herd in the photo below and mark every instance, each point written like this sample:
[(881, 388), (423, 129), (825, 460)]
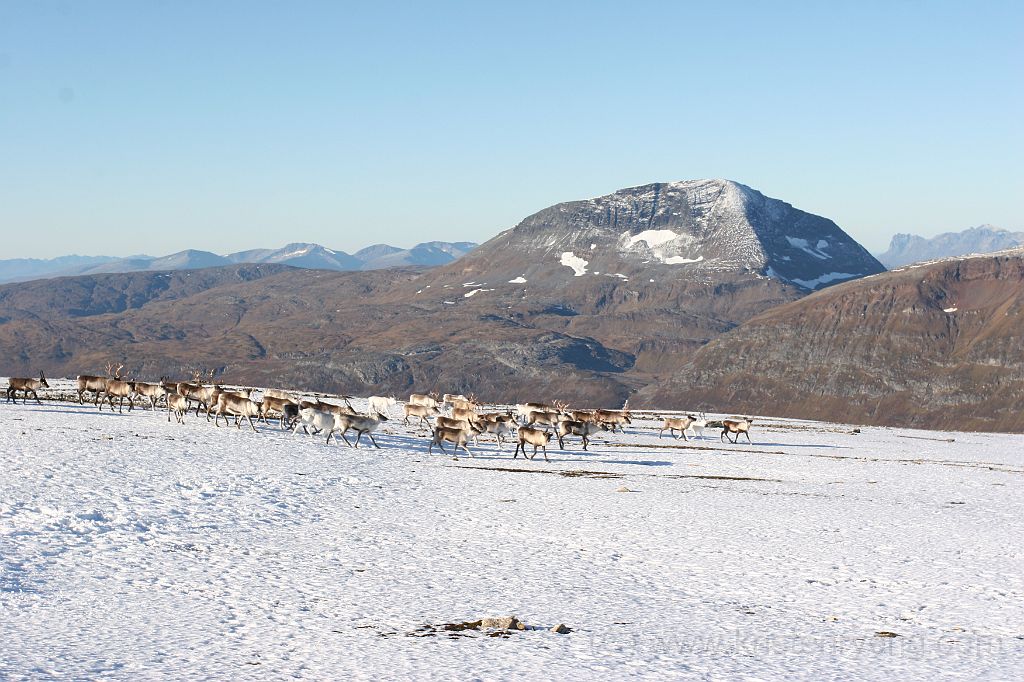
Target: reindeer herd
[(529, 424)]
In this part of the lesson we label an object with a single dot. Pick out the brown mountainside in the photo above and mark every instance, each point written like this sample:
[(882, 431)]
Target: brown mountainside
[(936, 346)]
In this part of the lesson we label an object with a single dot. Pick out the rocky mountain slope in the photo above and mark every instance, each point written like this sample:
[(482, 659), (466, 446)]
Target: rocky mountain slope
[(935, 346), (300, 255), (910, 248)]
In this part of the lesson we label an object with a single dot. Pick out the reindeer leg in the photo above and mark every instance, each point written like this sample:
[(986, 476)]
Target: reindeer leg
[(546, 454), (585, 442), (347, 441), (373, 441), (249, 417)]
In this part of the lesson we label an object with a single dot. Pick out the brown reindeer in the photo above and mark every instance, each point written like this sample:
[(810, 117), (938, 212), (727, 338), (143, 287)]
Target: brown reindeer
[(178, 405), (91, 382), (536, 438), (16, 384), (680, 424), (737, 427), (457, 436), (117, 388)]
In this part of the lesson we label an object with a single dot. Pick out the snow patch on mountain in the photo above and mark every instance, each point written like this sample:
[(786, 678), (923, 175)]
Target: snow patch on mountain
[(824, 279), (653, 238), (805, 246), (578, 265)]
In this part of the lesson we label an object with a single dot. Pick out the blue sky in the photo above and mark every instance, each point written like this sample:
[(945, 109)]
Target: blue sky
[(149, 127)]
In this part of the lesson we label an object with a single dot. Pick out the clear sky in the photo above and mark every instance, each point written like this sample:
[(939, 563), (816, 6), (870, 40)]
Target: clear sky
[(150, 127)]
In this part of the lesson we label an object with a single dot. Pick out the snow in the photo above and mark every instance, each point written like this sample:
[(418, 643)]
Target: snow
[(578, 265), (475, 291), (805, 246), (824, 279), (292, 254), (653, 238), (133, 548), (518, 280), (677, 260), (949, 310)]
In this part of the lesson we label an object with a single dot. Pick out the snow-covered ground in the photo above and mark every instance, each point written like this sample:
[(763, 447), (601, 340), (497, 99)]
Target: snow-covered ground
[(133, 548)]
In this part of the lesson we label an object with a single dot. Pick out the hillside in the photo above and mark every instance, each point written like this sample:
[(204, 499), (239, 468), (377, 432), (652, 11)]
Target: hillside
[(937, 345)]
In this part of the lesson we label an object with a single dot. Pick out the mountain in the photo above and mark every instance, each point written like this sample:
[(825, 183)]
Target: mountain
[(587, 301), (300, 255), (426, 254), (936, 346), (909, 248), (30, 268), (690, 230)]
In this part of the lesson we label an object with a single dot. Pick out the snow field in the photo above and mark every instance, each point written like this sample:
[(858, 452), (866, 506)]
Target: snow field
[(130, 546)]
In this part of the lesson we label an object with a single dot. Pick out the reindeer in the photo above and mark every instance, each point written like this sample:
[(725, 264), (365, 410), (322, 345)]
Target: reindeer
[(698, 426), (380, 404), (152, 391), (318, 420), (190, 390), (614, 418), (421, 411), (507, 417), (90, 382), (452, 422), (274, 404), (344, 410), (460, 403), (177, 404), (360, 424), (680, 424), (447, 398), (574, 428), (217, 392), (118, 388), (289, 415), (457, 436), (545, 418), (536, 438), (238, 406), (467, 413), (499, 428), (736, 426), (429, 400), (15, 384), (278, 393), (525, 409), (588, 416)]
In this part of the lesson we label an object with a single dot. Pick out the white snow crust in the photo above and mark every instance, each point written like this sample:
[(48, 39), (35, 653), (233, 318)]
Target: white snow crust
[(518, 280), (133, 548), (578, 265), (653, 238), (823, 279)]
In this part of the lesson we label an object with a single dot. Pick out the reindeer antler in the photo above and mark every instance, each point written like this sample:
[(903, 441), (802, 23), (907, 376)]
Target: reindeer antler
[(117, 372)]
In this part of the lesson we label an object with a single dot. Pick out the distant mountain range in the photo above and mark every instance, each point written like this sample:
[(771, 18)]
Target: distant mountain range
[(910, 248), (299, 255)]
